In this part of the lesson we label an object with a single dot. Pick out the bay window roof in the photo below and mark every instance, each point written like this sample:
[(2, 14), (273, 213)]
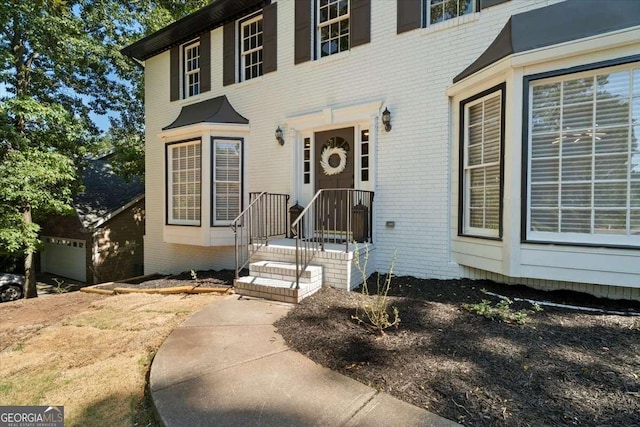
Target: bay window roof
[(214, 110), (562, 22)]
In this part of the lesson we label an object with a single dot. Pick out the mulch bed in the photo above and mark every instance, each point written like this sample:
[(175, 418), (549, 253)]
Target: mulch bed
[(561, 367)]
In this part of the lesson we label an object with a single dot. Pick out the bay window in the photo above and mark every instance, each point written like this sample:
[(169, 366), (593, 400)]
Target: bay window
[(183, 183), (584, 157), (227, 180), (481, 168)]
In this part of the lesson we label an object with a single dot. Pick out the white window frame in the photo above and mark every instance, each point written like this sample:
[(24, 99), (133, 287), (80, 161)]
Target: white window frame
[(591, 238), (320, 25), (197, 208), (428, 6), (191, 88), (467, 229), (214, 181), (246, 54)]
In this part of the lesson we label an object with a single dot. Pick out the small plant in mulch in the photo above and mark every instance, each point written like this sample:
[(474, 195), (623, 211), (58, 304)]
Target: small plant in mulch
[(501, 311), (373, 308)]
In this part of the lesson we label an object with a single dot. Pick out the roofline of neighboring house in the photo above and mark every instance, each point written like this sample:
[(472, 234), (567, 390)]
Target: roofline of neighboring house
[(214, 15), (113, 213)]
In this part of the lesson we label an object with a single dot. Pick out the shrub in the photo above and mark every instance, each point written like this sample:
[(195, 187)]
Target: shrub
[(373, 309), (502, 311)]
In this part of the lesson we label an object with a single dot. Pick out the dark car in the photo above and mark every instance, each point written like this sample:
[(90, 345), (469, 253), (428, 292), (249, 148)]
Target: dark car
[(11, 287)]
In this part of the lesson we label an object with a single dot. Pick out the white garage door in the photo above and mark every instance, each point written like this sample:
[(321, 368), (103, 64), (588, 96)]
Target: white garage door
[(64, 257)]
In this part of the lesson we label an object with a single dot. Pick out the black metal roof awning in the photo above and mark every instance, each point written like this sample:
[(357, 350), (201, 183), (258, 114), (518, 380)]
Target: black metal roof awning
[(562, 22), (214, 15), (215, 110)]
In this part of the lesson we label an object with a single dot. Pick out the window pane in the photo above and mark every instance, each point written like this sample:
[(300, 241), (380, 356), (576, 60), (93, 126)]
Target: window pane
[(612, 140), (612, 112), (611, 167), (545, 145), (613, 86), (545, 170), (635, 222), (544, 220), (545, 195), (610, 222), (545, 96), (576, 169), (575, 221), (577, 117), (610, 194), (576, 195), (476, 218), (577, 91)]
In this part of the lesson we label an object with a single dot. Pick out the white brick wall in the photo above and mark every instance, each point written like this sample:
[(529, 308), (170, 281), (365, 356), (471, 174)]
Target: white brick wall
[(409, 73)]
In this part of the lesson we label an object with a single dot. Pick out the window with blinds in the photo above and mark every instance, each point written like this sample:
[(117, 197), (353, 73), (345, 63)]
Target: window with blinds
[(584, 157), (482, 165), (227, 180), (183, 179)]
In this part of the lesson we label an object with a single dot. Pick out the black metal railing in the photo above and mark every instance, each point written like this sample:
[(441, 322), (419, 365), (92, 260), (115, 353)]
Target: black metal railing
[(338, 216), (265, 218)]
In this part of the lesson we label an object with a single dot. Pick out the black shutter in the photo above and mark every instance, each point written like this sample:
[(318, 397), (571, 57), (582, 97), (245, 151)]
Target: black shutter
[(302, 31), (409, 15), (205, 62), (360, 22), (270, 38), (174, 73), (488, 3), (229, 54)]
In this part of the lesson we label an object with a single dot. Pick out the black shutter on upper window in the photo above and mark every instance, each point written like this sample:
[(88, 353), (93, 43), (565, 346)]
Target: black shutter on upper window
[(409, 15), (270, 38), (360, 22), (174, 73), (302, 31), (229, 54), (205, 62), (488, 3)]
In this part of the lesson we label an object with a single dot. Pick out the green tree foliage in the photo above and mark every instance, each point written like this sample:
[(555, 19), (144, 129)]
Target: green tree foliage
[(60, 63)]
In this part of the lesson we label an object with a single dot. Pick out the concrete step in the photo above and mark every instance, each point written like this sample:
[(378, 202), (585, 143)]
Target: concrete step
[(284, 271), (275, 289)]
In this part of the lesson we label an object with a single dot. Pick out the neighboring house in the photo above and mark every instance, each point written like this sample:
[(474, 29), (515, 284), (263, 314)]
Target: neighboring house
[(102, 241), (484, 139)]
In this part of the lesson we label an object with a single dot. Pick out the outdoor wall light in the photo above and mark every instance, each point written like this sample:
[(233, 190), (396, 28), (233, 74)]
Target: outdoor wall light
[(279, 137), (386, 119)]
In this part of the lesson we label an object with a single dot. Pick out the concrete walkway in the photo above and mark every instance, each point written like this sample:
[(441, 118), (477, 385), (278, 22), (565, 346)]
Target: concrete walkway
[(227, 366)]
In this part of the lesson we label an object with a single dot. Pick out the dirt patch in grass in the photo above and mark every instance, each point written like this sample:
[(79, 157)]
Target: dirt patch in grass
[(205, 279), (88, 352), (561, 367)]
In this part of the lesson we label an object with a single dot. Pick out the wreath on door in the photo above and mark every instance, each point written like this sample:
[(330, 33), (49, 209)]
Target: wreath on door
[(325, 158)]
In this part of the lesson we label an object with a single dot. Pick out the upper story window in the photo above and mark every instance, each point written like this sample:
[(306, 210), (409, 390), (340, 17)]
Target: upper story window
[(191, 69), (183, 183), (442, 10), (251, 48), (333, 26), (482, 169), (327, 27), (584, 157)]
